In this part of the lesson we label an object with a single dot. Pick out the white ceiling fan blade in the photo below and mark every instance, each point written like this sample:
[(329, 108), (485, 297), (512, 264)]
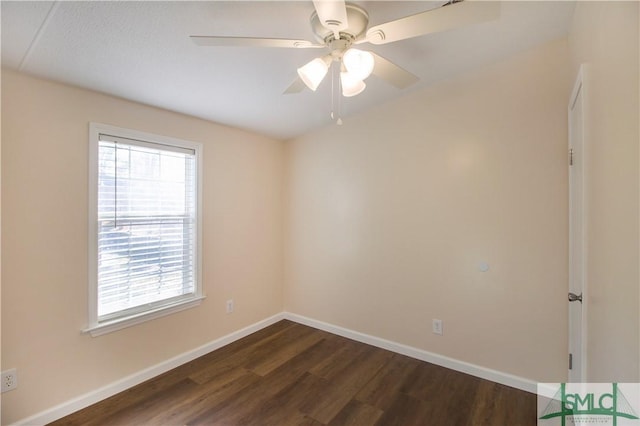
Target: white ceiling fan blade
[(387, 70), (253, 42), (435, 20), (332, 15), (296, 87)]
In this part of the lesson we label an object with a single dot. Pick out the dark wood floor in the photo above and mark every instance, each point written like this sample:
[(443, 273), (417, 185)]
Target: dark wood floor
[(291, 374)]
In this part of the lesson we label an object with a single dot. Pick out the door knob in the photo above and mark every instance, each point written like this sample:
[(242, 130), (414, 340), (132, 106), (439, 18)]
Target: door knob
[(573, 297)]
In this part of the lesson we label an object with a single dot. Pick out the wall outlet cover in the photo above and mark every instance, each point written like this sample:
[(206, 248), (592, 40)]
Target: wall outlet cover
[(437, 326), (9, 380)]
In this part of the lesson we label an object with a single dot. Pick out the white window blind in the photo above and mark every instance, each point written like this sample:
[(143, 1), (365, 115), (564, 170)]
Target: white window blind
[(146, 226)]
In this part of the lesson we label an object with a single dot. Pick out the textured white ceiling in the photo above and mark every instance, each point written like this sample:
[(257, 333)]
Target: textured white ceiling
[(142, 51)]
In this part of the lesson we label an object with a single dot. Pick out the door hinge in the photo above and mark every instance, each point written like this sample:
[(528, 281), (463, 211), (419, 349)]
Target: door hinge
[(570, 361), (571, 156)]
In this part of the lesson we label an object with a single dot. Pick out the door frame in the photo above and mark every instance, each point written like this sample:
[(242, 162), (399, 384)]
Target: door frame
[(579, 87)]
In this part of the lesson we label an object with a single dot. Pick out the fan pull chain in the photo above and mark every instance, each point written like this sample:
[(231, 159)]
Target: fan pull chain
[(333, 77), (333, 97), (339, 120)]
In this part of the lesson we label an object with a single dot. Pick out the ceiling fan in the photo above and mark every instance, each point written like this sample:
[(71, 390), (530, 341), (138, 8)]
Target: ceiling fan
[(338, 26)]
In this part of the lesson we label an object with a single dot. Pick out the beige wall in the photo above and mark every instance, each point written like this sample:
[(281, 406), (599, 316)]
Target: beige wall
[(605, 37), (389, 216), (44, 241)]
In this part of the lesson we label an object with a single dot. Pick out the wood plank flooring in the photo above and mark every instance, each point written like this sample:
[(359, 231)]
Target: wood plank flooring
[(291, 374)]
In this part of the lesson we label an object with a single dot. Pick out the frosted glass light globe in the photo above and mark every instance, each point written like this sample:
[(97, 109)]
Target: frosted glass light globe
[(359, 63), (351, 85), (313, 73)]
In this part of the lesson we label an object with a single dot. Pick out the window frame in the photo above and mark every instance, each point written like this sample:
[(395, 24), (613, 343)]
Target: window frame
[(96, 327)]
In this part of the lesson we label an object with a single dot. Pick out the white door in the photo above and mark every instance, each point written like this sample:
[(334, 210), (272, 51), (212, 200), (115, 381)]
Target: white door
[(576, 296)]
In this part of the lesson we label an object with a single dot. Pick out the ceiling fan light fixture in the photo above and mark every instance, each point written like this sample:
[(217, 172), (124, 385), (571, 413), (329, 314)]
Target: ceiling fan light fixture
[(351, 85), (359, 63), (313, 72)]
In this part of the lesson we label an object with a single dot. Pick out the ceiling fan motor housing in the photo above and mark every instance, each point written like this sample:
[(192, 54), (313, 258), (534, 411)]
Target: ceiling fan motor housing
[(358, 19)]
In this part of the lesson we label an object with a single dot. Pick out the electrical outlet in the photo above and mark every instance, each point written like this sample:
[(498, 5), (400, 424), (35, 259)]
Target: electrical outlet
[(9, 380), (229, 306), (437, 326)]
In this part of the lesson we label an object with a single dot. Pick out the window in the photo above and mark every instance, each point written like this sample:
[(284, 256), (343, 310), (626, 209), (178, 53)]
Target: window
[(144, 227)]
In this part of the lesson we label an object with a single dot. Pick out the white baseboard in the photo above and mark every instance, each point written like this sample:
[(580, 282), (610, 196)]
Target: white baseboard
[(453, 364), (111, 389)]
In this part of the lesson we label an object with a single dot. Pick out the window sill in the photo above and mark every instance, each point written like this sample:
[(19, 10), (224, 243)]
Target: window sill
[(120, 323)]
